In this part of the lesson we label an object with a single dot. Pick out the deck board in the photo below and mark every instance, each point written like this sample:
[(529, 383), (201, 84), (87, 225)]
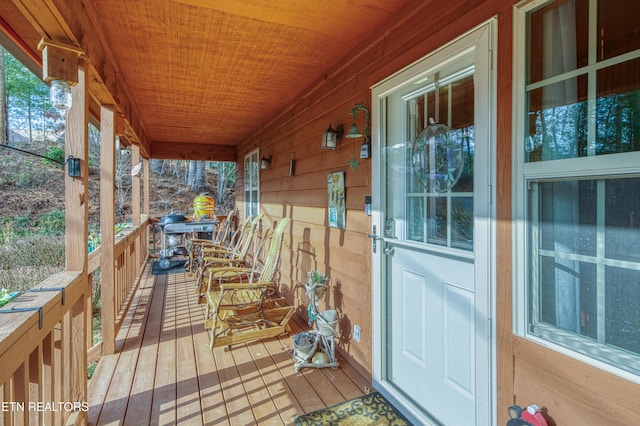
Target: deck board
[(164, 373)]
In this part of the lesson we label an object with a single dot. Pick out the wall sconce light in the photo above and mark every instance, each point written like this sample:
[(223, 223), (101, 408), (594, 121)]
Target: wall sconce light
[(330, 137), (73, 166), (354, 132), (264, 163)]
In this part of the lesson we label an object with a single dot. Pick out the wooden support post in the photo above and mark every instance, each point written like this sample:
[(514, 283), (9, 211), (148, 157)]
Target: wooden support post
[(77, 236), (136, 171), (147, 188), (79, 386), (147, 206), (76, 188), (107, 223)]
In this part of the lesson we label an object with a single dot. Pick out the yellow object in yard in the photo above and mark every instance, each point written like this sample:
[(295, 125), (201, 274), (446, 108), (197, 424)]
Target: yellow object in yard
[(203, 207)]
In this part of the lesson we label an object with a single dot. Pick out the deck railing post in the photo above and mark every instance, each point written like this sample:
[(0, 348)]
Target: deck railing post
[(77, 236), (107, 223)]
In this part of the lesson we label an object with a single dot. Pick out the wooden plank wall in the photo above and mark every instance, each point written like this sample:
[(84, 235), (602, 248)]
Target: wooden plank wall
[(294, 134)]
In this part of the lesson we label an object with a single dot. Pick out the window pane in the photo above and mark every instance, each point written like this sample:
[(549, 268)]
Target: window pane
[(622, 308), (618, 27), (247, 174), (618, 108), (557, 121), (622, 206), (462, 222), (416, 219), (567, 296), (585, 266), (568, 217), (437, 220), (465, 182), (558, 40)]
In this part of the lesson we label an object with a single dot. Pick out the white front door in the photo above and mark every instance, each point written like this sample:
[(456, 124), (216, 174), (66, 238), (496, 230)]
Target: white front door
[(433, 247)]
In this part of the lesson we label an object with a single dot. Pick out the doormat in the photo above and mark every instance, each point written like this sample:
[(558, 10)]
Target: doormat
[(175, 267), (371, 409)]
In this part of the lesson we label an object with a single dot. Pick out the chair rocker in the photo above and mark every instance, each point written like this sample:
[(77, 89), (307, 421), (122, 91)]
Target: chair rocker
[(239, 309)]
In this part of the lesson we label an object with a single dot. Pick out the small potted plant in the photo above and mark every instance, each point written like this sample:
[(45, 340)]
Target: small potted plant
[(303, 345), (316, 282)]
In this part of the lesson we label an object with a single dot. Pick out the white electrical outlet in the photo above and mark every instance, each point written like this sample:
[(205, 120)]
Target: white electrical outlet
[(356, 333)]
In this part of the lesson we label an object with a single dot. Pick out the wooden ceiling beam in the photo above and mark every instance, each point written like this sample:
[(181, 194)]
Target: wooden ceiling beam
[(192, 151), (68, 22)]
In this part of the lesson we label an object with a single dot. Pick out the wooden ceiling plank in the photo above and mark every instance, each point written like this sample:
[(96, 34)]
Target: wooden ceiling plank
[(191, 151)]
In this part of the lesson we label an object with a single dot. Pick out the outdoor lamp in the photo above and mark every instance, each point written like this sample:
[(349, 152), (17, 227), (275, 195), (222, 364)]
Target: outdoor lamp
[(60, 68), (355, 132), (330, 137), (264, 163), (60, 94)]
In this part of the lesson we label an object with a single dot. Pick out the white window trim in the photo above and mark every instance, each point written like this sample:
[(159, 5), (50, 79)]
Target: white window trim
[(627, 164), (248, 159)]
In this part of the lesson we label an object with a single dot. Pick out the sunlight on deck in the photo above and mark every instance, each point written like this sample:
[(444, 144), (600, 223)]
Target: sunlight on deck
[(164, 373)]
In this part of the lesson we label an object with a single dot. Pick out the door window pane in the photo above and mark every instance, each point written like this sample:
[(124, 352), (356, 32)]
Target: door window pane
[(444, 158), (416, 219), (437, 220), (462, 222)]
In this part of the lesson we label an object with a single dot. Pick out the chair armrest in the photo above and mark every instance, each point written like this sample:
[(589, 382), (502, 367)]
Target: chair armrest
[(245, 286), (210, 259), (201, 241)]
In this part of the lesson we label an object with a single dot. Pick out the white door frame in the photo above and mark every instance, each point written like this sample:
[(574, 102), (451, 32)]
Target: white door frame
[(483, 40)]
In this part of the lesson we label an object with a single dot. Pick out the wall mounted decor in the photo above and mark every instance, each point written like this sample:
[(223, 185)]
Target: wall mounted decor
[(337, 209)]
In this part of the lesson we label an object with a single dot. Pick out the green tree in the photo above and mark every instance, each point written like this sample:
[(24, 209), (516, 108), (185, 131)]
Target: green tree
[(28, 103), (226, 179)]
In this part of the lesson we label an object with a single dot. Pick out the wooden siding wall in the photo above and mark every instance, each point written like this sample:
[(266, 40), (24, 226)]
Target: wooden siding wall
[(569, 391), (295, 135)]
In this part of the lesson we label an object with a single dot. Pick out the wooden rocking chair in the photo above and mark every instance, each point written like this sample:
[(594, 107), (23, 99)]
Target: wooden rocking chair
[(220, 239), (239, 310), (216, 256)]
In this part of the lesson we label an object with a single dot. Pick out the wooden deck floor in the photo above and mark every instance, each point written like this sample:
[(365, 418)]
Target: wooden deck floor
[(163, 372)]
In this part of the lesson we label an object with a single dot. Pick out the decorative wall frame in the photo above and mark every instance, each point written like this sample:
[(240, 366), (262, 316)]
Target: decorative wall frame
[(337, 207)]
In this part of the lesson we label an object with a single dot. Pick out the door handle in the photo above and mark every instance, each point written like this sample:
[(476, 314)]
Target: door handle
[(374, 238)]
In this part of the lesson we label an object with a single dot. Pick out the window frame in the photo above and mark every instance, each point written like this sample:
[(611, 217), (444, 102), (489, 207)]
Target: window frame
[(626, 164), (251, 160)]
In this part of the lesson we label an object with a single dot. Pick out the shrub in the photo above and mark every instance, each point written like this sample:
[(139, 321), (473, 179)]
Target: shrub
[(52, 223), (54, 153)]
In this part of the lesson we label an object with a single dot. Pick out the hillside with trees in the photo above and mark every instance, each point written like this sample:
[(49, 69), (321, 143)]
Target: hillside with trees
[(32, 180)]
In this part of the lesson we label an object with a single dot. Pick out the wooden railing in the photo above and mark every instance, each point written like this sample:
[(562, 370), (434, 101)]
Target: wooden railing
[(46, 338), (130, 255), (43, 352)]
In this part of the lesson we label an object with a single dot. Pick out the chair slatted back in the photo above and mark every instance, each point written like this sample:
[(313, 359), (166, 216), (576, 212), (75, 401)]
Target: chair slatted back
[(271, 260), (247, 238), (224, 229)]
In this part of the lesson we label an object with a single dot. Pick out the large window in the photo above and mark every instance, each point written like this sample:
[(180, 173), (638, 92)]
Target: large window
[(251, 186), (577, 183)]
